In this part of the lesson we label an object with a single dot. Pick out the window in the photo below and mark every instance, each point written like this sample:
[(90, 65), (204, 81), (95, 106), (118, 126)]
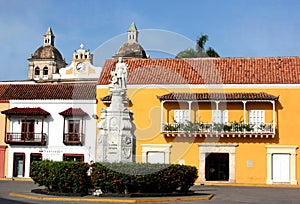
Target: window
[(73, 157), (257, 118), (73, 126), (45, 71), (156, 157), (220, 116), (181, 116), (27, 131), (73, 130), (37, 71), (281, 164), (156, 153)]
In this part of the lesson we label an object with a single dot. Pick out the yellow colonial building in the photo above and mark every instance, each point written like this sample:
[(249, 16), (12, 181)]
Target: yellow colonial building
[(236, 119)]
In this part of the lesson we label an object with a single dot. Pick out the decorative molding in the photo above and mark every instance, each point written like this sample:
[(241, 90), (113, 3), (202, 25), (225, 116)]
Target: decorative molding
[(282, 149), (208, 148), (166, 148)]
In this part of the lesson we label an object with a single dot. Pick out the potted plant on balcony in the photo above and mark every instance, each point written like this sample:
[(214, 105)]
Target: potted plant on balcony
[(189, 126), (218, 127), (237, 126), (248, 127), (262, 127), (227, 127)]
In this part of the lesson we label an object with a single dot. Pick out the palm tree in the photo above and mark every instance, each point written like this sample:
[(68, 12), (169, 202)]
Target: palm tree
[(211, 52), (200, 51)]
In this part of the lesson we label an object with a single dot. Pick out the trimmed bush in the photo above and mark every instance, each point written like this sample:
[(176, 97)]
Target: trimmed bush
[(122, 178), (62, 177), (143, 177)]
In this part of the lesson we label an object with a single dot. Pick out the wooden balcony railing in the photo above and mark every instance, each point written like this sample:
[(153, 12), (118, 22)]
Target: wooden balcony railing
[(25, 138), (219, 130), (73, 138)]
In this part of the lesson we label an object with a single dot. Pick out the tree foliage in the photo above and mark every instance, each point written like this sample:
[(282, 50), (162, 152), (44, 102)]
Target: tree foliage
[(199, 51)]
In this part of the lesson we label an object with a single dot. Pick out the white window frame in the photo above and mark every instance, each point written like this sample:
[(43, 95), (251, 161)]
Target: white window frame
[(281, 149), (181, 115), (158, 156), (220, 116), (165, 148), (256, 118)]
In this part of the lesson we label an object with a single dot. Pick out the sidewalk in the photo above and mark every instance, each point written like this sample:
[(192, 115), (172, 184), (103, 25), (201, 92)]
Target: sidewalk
[(212, 194), (22, 189)]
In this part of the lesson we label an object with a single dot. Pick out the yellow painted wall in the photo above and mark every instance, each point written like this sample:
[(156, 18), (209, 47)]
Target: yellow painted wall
[(147, 108)]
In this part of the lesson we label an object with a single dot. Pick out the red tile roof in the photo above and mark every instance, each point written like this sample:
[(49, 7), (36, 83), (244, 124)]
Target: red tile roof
[(270, 70), (75, 91), (3, 88), (216, 96), (73, 112), (25, 111)]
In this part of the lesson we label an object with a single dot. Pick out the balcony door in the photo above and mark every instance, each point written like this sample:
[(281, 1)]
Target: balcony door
[(181, 116), (220, 116), (74, 130), (27, 132), (257, 118)]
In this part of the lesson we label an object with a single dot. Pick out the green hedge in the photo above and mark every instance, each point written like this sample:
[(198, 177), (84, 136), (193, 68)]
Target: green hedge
[(142, 177), (63, 177), (71, 177)]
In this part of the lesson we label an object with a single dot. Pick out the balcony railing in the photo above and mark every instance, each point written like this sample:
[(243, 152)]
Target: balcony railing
[(25, 138), (222, 130), (73, 138)]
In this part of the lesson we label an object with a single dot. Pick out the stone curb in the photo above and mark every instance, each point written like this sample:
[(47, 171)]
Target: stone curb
[(16, 179), (252, 185), (115, 200)]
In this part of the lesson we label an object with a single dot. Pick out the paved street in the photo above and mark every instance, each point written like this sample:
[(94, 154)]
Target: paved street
[(223, 194)]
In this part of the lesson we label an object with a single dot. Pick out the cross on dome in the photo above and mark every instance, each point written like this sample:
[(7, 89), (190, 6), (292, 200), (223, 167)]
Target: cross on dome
[(81, 46)]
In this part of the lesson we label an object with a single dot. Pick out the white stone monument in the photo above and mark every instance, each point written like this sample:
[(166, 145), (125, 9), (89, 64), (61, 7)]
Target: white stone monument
[(116, 140)]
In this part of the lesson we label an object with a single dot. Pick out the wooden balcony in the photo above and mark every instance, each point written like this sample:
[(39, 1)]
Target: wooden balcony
[(73, 138), (25, 138), (239, 130)]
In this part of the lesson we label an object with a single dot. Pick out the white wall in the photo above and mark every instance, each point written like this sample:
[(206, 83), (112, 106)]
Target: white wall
[(53, 127)]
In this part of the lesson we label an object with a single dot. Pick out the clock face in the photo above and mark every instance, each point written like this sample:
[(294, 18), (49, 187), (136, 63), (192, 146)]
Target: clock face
[(80, 67)]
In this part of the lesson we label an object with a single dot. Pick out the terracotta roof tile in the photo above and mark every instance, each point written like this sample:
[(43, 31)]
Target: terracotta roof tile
[(216, 96), (75, 91), (25, 111), (73, 112), (270, 70)]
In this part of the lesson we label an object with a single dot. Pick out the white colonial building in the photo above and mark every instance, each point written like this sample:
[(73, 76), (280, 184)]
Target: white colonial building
[(49, 121)]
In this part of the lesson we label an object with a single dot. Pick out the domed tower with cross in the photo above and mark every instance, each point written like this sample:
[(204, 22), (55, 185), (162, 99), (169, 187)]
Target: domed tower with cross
[(131, 48), (46, 60)]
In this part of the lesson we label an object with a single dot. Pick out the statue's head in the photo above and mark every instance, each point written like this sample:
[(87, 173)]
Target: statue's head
[(120, 59)]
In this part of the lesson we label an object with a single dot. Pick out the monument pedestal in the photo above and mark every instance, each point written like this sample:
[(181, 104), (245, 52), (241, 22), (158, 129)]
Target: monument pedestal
[(116, 140)]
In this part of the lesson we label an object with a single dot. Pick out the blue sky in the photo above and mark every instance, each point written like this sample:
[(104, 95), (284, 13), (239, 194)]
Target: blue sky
[(236, 28)]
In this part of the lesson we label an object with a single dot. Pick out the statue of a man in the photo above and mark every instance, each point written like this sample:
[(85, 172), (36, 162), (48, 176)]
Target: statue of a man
[(124, 76), (121, 73)]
